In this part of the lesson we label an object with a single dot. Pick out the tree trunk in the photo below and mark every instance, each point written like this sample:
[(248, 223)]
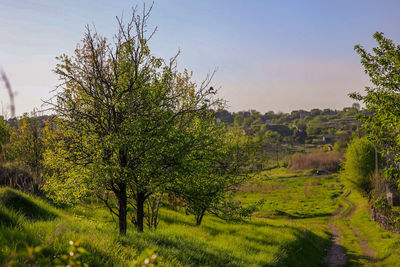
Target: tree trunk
[(199, 217), (376, 160), (140, 198), (122, 208)]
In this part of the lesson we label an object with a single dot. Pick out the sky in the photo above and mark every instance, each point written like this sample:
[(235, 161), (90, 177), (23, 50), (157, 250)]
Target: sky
[(269, 55)]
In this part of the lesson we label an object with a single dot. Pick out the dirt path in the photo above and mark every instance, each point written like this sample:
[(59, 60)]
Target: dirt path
[(336, 254), (368, 252)]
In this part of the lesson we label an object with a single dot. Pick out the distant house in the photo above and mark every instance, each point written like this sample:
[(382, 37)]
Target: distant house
[(327, 138)]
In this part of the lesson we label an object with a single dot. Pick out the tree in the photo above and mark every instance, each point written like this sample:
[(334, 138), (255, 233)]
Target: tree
[(216, 174), (356, 106), (382, 102), (26, 144), (125, 119), (272, 140), (360, 163), (238, 120), (315, 112)]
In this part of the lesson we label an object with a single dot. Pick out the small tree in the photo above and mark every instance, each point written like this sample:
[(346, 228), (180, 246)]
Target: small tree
[(217, 172)]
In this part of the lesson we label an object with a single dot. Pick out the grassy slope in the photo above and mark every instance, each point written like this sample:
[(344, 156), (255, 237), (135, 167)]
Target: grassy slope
[(289, 230), (385, 243)]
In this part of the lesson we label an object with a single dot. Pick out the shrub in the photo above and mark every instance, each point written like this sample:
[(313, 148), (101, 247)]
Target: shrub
[(318, 160), (360, 163)]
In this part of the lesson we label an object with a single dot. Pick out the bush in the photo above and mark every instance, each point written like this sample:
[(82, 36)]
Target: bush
[(360, 163), (316, 160)]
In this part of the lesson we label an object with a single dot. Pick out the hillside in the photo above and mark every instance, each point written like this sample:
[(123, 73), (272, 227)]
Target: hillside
[(276, 236)]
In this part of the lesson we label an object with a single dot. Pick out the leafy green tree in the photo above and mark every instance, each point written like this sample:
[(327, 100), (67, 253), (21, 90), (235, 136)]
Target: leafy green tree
[(315, 112), (356, 106), (272, 143), (360, 163), (382, 119), (217, 172), (314, 130), (238, 121), (126, 120)]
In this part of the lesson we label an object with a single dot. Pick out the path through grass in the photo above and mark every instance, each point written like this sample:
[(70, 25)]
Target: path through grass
[(364, 241)]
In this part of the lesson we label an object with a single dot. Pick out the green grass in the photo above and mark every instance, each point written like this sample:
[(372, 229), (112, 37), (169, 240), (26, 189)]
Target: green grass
[(298, 195), (289, 230), (385, 243)]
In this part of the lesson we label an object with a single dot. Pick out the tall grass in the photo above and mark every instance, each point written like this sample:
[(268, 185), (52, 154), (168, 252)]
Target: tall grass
[(319, 160)]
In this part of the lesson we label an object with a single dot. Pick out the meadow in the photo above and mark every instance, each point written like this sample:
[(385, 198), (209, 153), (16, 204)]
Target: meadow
[(288, 230)]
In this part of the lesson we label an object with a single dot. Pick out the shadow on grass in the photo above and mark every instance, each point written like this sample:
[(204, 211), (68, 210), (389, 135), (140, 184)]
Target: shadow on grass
[(188, 252), (97, 257), (359, 260), (168, 219), (302, 215), (19, 203), (307, 249), (7, 219)]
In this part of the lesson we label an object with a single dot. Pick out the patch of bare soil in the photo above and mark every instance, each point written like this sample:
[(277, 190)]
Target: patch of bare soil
[(336, 254)]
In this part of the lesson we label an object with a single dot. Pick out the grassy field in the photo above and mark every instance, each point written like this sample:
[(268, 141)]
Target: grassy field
[(290, 229)]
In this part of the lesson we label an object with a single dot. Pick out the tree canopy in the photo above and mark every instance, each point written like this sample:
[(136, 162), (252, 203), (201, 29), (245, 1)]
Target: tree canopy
[(382, 122), (127, 120)]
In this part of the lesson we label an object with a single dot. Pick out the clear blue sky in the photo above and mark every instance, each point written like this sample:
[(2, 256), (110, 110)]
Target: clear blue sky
[(271, 55)]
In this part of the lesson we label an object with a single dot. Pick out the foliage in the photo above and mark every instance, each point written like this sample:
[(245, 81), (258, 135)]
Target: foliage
[(73, 258), (127, 121), (26, 145), (382, 121), (148, 257), (360, 163), (4, 133), (33, 256), (217, 171), (382, 205), (29, 257)]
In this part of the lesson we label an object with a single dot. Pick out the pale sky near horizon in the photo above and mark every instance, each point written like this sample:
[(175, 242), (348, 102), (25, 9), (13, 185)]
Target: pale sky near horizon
[(270, 55)]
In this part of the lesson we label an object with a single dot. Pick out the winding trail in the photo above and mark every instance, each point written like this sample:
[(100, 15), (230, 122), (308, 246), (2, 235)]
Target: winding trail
[(337, 254)]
